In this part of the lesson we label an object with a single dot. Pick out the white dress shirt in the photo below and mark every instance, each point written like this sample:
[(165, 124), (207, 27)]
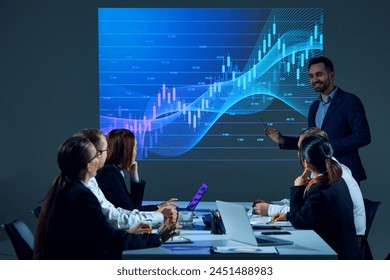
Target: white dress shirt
[(121, 218)]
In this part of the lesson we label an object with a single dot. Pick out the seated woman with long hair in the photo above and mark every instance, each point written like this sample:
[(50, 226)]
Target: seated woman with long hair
[(322, 202), (121, 158), (72, 225), (118, 217)]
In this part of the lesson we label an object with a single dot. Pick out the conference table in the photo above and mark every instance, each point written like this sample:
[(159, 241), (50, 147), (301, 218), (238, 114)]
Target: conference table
[(307, 245)]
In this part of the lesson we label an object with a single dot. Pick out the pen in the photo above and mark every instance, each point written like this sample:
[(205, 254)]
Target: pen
[(176, 234), (218, 215), (212, 213), (263, 122)]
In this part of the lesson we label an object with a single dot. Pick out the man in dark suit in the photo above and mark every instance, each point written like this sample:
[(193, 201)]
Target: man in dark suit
[(339, 113)]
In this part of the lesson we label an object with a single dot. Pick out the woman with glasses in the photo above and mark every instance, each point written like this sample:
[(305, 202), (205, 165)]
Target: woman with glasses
[(71, 224), (122, 152), (322, 202), (118, 217)]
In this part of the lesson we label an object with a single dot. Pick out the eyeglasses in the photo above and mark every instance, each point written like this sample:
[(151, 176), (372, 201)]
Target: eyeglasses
[(102, 151), (95, 156), (98, 154)]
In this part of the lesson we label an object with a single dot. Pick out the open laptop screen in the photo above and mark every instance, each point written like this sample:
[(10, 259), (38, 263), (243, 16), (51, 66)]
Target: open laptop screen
[(238, 227), (197, 197)]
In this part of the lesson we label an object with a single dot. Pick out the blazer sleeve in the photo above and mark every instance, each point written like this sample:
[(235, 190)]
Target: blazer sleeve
[(302, 213), (358, 129), (114, 188), (290, 143), (101, 233), (137, 190)]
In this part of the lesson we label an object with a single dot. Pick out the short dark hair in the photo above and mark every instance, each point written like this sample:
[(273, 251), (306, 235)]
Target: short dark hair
[(314, 131), (94, 135), (322, 59)]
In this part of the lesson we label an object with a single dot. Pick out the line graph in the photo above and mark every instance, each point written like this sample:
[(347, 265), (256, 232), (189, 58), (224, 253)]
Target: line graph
[(192, 83)]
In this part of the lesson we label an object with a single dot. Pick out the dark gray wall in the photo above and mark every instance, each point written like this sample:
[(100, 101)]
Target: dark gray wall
[(49, 90)]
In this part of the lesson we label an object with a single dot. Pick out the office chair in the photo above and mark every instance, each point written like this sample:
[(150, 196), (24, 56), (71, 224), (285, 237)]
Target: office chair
[(36, 211), (22, 239), (371, 207)]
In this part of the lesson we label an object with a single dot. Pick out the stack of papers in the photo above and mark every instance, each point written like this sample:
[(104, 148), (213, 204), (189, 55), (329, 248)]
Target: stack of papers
[(244, 249), (282, 224), (257, 219)]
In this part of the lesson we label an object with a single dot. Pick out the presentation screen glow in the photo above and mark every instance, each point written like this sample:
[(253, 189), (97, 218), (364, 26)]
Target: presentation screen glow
[(200, 84)]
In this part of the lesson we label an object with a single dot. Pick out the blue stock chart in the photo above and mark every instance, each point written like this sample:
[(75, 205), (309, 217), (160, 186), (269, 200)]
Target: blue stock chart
[(201, 83)]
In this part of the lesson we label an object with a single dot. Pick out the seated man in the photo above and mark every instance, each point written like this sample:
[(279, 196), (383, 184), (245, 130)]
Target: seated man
[(264, 208)]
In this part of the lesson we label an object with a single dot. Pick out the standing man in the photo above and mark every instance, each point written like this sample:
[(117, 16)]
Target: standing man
[(339, 113)]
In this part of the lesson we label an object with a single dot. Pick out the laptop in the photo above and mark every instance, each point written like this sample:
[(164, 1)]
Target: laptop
[(238, 227), (196, 198)]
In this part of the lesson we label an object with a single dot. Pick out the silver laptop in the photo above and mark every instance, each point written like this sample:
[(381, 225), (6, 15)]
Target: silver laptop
[(238, 227)]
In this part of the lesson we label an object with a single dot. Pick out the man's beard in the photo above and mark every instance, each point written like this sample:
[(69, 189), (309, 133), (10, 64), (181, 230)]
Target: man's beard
[(321, 87)]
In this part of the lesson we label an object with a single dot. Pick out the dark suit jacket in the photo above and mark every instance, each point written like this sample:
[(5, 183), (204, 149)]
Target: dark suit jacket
[(346, 124), (80, 229), (113, 185), (328, 210)]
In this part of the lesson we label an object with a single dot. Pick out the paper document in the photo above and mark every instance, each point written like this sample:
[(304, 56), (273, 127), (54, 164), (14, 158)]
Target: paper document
[(265, 221), (258, 220), (282, 224)]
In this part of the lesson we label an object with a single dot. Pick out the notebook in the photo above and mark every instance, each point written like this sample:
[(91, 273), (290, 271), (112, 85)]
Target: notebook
[(238, 227), (196, 199)]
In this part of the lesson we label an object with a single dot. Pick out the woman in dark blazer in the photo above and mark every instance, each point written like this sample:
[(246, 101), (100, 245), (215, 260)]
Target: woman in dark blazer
[(121, 154), (322, 202), (71, 224)]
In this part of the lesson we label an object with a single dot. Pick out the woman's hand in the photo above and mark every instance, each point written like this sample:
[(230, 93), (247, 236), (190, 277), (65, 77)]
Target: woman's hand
[(168, 204), (167, 230), (133, 171), (279, 217), (140, 228), (303, 179), (170, 214)]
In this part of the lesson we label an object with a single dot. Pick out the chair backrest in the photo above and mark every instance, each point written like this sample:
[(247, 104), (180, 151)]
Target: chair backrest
[(371, 207), (22, 239), (36, 211)]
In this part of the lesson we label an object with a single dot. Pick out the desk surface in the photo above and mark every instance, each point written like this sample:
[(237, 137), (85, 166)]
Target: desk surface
[(307, 244)]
